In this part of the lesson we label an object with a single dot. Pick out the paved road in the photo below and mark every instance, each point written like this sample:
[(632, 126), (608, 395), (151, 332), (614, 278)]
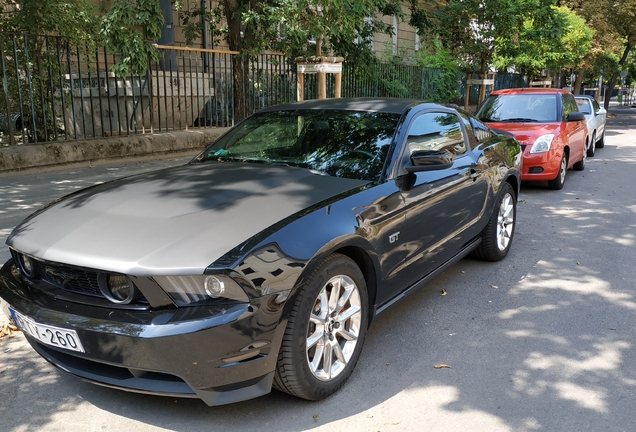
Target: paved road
[(542, 341)]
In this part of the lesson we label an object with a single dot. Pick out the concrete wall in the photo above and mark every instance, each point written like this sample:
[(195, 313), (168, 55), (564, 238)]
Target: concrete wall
[(22, 157)]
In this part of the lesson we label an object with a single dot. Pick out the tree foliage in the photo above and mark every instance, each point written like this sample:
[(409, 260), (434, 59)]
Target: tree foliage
[(445, 77), (560, 41), (76, 20), (333, 26), (130, 29), (470, 29)]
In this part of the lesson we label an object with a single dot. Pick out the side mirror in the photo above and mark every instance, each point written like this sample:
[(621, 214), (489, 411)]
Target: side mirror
[(429, 161), (575, 116)]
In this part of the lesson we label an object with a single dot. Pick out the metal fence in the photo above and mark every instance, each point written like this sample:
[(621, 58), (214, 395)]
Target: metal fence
[(54, 91)]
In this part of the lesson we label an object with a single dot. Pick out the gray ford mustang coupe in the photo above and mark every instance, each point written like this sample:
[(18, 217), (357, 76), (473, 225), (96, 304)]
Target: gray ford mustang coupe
[(263, 261)]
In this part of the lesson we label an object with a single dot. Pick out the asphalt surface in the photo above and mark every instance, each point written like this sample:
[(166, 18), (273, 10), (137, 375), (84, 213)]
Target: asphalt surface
[(541, 341)]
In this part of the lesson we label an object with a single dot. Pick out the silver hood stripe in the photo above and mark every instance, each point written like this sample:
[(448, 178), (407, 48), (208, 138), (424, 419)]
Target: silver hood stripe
[(171, 222)]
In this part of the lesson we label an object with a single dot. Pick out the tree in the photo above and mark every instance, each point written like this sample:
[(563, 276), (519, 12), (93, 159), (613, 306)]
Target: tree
[(31, 32), (605, 45), (288, 26), (614, 20), (335, 26), (559, 41), (74, 19), (470, 29)]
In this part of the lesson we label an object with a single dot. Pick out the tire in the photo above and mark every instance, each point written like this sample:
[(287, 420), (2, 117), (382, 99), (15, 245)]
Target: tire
[(558, 182), (601, 141), (321, 346), (580, 165), (496, 238), (591, 146)]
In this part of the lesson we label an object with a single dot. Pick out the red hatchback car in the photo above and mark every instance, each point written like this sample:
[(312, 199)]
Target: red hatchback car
[(548, 125)]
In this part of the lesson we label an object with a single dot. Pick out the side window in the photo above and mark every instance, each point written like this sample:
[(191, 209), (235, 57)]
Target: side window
[(595, 105), (476, 129), (435, 131), (569, 105)]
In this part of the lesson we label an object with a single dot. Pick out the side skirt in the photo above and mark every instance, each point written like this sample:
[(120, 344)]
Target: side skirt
[(419, 284)]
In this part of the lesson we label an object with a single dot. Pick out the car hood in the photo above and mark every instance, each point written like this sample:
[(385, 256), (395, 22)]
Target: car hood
[(526, 133), (175, 221)]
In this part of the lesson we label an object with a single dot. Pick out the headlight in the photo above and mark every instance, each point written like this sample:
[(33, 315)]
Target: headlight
[(542, 144), (189, 290)]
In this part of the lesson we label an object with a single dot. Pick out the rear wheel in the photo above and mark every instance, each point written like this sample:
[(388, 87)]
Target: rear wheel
[(325, 331), (559, 180), (601, 141), (591, 146), (497, 236)]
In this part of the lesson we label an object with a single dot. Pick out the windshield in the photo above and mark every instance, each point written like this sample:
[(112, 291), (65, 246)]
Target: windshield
[(530, 108), (347, 144)]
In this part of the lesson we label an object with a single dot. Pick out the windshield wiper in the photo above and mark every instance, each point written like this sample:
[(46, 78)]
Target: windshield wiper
[(520, 120)]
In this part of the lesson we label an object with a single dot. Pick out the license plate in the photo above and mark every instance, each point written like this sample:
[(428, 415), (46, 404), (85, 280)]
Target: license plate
[(54, 336)]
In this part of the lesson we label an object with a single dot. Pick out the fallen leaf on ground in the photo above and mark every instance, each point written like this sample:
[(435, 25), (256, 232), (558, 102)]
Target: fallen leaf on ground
[(7, 329), (443, 292), (493, 286), (442, 366)]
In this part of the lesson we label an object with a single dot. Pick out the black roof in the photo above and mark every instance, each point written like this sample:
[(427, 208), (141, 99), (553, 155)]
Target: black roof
[(385, 105)]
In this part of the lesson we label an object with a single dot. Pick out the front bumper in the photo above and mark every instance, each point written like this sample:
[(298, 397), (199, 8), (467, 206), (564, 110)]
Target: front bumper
[(540, 166), (221, 354)]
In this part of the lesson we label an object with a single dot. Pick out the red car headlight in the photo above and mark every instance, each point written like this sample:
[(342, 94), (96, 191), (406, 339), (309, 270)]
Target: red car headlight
[(542, 144)]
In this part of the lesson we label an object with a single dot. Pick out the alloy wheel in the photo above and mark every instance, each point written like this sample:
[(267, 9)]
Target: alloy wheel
[(505, 221), (334, 328)]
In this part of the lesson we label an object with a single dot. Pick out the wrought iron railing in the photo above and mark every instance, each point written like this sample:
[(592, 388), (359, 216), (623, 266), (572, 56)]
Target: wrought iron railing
[(53, 91)]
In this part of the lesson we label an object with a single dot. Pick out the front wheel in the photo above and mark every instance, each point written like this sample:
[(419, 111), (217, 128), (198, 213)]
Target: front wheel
[(497, 236), (580, 165), (325, 331), (559, 180)]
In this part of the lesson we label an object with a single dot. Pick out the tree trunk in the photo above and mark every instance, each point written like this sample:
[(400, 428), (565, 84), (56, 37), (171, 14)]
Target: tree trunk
[(578, 81), (612, 82), (240, 62), (319, 46)]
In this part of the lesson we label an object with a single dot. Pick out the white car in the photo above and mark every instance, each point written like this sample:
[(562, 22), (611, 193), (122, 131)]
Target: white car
[(595, 117)]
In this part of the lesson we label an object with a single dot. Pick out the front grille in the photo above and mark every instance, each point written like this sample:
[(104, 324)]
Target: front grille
[(69, 278), (76, 284)]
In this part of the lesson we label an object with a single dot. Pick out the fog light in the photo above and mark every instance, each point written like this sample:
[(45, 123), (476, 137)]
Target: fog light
[(214, 287), (117, 288)]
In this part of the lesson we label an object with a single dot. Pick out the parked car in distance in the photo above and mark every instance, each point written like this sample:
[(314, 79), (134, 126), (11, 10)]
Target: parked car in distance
[(547, 124), (595, 117), (264, 260)]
